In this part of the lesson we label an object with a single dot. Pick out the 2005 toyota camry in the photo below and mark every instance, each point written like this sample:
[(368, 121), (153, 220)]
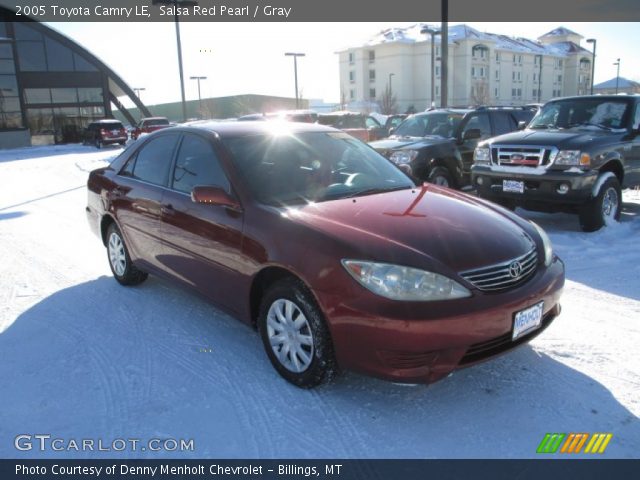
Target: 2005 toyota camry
[(333, 253)]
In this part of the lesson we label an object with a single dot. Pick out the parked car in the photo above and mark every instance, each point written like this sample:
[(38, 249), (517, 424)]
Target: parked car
[(104, 132), (437, 146), (359, 125), (305, 116), (393, 121), (334, 254), (574, 157), (148, 125)]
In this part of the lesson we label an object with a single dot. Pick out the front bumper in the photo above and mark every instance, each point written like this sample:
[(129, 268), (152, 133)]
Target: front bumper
[(538, 188), (422, 342)]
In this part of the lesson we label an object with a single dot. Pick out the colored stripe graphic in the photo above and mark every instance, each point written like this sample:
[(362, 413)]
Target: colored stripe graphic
[(574, 443), (551, 442)]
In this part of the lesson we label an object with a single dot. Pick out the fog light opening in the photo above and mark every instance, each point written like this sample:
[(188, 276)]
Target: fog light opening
[(480, 180), (563, 188)]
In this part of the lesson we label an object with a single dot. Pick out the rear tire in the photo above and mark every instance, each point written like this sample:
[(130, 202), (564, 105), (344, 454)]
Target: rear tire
[(295, 335), (440, 176), (119, 260), (604, 209)]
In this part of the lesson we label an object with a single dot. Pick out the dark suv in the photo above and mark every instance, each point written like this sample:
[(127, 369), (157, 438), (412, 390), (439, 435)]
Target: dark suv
[(104, 132), (437, 146), (574, 157)]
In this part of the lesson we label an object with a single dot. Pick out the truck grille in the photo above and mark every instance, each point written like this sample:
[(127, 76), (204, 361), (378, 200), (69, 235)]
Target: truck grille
[(503, 275), (522, 156)]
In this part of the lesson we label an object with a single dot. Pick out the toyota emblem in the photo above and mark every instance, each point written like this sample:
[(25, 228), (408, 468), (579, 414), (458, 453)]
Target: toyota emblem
[(515, 269)]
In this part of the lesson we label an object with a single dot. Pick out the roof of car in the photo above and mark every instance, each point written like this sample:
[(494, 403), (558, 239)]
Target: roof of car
[(154, 118), (107, 120), (234, 129)]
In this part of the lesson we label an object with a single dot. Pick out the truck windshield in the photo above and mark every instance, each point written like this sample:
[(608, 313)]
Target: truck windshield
[(601, 113), (443, 124)]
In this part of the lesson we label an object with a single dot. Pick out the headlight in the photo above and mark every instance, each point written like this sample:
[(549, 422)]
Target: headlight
[(401, 157), (573, 158), (482, 155), (404, 283), (546, 243)]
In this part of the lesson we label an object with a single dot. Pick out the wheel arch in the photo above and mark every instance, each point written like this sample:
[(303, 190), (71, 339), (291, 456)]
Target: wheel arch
[(105, 222), (613, 165)]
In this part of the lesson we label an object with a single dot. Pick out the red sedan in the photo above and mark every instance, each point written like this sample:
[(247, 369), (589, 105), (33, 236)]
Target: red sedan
[(336, 257), (148, 125)]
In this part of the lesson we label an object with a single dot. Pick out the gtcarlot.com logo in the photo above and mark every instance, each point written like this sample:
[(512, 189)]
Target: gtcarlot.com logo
[(45, 442), (574, 443)]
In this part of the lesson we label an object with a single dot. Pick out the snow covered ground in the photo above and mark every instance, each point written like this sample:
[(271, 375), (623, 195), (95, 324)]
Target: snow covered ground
[(82, 357)]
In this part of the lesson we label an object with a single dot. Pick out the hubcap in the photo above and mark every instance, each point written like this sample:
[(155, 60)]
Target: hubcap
[(290, 335), (117, 256), (610, 205), (442, 181)]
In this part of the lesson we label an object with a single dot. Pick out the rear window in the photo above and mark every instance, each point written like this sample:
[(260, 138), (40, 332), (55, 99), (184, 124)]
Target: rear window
[(156, 121), (110, 126)]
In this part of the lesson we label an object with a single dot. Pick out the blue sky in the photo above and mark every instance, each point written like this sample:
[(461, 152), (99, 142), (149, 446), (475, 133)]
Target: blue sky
[(242, 58)]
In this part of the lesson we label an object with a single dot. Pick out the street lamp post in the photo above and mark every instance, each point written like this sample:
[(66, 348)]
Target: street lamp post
[(199, 97), (617, 63), (295, 72), (539, 57), (593, 61), (175, 4), (433, 32), (138, 90)]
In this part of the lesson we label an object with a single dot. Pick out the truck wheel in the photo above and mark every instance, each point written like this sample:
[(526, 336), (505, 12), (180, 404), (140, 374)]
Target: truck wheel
[(440, 176), (604, 209)]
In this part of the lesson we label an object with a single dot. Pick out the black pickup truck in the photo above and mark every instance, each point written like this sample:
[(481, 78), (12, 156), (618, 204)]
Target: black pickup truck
[(575, 156), (437, 146)]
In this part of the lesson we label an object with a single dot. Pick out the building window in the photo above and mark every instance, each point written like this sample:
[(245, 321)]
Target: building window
[(438, 71), (352, 76), (352, 94), (559, 78), (372, 75), (473, 71), (372, 93), (437, 90), (372, 56), (535, 93), (497, 57), (437, 50), (495, 92), (517, 59), (497, 74), (352, 58), (480, 52)]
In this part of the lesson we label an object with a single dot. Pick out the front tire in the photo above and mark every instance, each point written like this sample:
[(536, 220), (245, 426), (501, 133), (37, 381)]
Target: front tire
[(440, 176), (295, 335), (119, 260), (604, 209)]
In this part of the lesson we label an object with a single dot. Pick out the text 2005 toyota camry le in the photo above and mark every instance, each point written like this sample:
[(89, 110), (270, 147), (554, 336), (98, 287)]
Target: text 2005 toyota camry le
[(337, 258)]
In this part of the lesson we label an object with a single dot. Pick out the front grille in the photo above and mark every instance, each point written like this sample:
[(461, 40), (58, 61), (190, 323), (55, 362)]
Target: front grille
[(495, 346), (503, 275), (522, 156)]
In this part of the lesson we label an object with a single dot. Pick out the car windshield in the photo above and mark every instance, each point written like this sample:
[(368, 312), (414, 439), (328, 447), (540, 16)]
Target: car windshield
[(312, 167), (156, 121), (600, 113), (443, 124)]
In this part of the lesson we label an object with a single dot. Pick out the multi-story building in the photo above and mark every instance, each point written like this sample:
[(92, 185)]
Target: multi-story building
[(484, 68)]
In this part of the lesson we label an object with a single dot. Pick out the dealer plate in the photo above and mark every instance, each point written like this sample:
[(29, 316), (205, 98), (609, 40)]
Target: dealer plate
[(513, 186), (527, 320)]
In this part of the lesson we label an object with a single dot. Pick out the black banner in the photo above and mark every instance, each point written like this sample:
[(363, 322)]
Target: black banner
[(329, 469), (322, 11)]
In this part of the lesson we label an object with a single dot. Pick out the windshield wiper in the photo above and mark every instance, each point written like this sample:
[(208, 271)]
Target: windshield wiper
[(374, 190)]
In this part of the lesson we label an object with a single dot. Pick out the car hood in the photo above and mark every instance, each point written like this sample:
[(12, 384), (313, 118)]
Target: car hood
[(570, 139), (427, 227), (395, 143)]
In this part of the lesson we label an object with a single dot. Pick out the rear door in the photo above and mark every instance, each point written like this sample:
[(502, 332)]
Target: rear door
[(632, 175), (202, 242), (138, 198), (476, 120)]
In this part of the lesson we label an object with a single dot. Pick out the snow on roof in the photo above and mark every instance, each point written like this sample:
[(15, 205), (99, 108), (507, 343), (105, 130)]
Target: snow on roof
[(622, 83), (412, 34), (560, 31)]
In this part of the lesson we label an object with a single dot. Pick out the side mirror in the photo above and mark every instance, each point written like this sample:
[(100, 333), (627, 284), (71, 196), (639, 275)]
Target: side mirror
[(471, 134), (391, 130), (214, 196), (522, 125)]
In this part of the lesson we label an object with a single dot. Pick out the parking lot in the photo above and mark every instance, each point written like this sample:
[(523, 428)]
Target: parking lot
[(83, 357)]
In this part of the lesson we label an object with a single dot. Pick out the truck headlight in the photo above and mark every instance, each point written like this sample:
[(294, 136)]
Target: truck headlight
[(402, 157), (546, 244), (482, 155), (404, 283), (573, 158)]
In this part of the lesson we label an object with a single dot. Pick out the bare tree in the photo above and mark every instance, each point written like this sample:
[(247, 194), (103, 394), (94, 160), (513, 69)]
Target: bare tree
[(388, 102), (480, 93)]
